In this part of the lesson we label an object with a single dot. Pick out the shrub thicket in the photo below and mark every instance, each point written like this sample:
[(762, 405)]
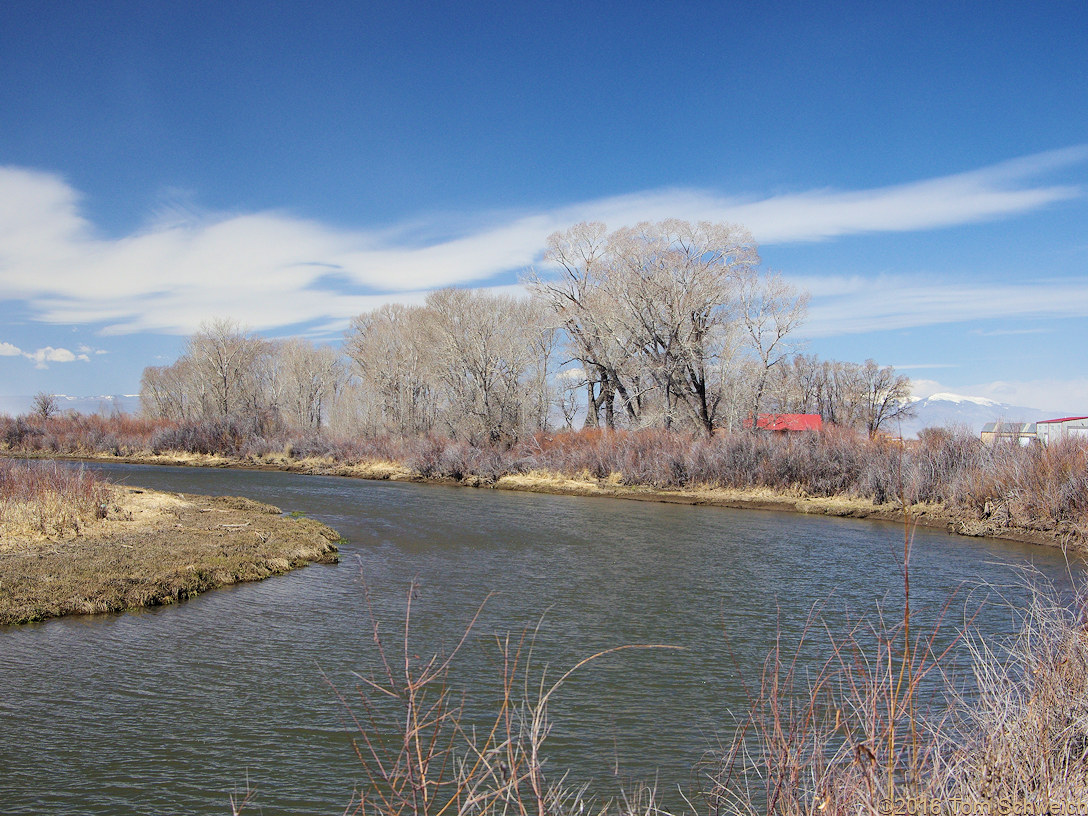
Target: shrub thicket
[(48, 499), (1038, 487)]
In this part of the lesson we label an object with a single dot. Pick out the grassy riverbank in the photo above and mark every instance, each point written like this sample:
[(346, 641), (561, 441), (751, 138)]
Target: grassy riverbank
[(934, 514), (949, 480), (74, 544)]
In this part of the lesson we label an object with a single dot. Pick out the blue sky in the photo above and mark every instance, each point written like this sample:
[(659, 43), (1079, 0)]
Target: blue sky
[(921, 168)]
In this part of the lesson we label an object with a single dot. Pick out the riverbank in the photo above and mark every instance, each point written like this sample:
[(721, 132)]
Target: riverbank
[(995, 521), (144, 548)]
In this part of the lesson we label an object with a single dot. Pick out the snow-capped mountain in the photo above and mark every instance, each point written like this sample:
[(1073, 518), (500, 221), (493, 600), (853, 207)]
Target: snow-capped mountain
[(970, 413)]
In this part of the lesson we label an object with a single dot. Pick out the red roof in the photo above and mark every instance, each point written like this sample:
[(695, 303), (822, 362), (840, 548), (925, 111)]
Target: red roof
[(1063, 419), (787, 422)]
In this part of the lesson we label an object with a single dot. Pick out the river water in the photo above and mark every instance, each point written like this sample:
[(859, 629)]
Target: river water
[(170, 710)]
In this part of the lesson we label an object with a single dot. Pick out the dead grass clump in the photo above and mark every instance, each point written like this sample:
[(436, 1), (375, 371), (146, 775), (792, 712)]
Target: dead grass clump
[(1021, 735), (841, 735), (883, 723)]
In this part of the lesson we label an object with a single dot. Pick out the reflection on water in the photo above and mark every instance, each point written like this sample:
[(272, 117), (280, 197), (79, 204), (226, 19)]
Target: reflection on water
[(170, 710)]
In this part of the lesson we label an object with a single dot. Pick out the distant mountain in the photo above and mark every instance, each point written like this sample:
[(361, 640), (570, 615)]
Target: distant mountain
[(103, 404), (957, 411)]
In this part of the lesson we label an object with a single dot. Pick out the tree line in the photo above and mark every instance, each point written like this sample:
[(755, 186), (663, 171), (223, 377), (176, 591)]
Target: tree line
[(668, 325)]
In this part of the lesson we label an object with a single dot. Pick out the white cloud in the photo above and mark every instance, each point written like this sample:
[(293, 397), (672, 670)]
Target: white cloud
[(1008, 332), (843, 305), (916, 366), (925, 388), (48, 354), (53, 355), (963, 198), (271, 269)]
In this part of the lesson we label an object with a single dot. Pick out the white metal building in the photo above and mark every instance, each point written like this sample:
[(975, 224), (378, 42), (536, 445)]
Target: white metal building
[(1054, 430)]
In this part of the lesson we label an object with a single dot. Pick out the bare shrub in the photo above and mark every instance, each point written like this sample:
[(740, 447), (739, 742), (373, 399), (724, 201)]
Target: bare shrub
[(422, 756)]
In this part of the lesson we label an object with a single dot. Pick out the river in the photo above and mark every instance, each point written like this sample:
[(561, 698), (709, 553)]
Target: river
[(170, 710)]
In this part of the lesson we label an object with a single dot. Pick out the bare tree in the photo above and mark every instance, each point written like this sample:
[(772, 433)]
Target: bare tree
[(886, 396), (678, 285), (649, 313), (582, 308), (772, 310), (391, 356), (796, 386), (309, 378), (862, 396), (167, 392), (490, 357), (44, 406), (225, 359)]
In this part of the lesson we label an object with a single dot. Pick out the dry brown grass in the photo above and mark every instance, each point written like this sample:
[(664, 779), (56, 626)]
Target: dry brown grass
[(885, 724), (1023, 736), (547, 481)]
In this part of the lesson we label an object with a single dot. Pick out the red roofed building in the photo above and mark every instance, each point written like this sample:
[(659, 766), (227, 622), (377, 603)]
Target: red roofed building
[(787, 423)]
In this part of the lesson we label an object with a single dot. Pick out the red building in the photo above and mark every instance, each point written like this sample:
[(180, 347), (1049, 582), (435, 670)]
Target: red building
[(787, 423)]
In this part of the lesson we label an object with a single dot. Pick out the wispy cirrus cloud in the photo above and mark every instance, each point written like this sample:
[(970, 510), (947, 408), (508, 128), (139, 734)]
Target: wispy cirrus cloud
[(272, 269), (854, 305), (963, 198), (1008, 332)]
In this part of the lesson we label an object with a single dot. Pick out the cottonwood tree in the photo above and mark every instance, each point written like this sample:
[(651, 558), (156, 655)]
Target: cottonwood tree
[(678, 285), (583, 309), (469, 363), (392, 359), (863, 396), (886, 396), (796, 385), (44, 406), (166, 392), (649, 313), (224, 373), (491, 352), (225, 359), (308, 379)]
